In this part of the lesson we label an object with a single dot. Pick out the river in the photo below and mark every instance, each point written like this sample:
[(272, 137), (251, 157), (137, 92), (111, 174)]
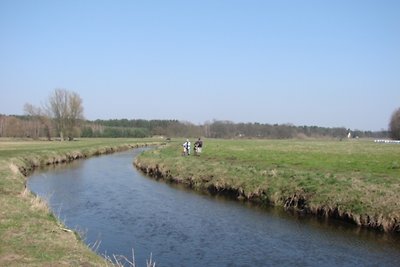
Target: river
[(116, 209)]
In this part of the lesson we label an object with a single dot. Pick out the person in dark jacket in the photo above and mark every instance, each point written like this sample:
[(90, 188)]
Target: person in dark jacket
[(198, 146)]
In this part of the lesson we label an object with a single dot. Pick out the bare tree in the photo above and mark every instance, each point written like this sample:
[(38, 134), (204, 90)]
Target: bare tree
[(394, 125), (65, 107), (14, 127), (2, 125), (40, 115)]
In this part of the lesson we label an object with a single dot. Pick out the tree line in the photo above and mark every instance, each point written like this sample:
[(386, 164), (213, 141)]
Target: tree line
[(62, 116), (34, 127)]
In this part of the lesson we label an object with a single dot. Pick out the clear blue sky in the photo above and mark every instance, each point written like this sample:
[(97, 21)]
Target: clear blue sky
[(325, 63)]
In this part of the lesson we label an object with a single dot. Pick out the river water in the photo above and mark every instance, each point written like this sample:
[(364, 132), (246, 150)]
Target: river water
[(119, 209)]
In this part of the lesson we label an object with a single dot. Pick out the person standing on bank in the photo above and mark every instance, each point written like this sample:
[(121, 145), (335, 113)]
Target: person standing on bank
[(198, 146), (184, 152), (186, 148)]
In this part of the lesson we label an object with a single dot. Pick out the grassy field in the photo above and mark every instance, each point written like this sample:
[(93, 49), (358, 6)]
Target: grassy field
[(358, 180), (355, 180), (30, 235)]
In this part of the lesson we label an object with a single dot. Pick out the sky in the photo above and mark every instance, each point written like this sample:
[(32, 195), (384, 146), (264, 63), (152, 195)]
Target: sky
[(315, 63)]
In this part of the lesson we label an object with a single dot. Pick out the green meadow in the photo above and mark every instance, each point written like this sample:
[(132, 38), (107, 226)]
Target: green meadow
[(356, 180), (30, 235)]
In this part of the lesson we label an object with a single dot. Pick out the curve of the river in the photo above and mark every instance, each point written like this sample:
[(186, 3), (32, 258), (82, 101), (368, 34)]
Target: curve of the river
[(113, 204)]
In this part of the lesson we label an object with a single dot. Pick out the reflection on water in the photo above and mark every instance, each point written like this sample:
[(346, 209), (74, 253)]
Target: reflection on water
[(108, 200)]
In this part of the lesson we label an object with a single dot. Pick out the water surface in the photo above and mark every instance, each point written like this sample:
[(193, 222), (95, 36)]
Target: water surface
[(115, 206)]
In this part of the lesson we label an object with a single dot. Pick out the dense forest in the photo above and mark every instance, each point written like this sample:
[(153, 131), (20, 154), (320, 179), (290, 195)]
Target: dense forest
[(33, 127)]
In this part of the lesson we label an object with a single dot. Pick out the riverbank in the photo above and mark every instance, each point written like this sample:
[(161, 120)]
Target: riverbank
[(30, 234), (357, 181)]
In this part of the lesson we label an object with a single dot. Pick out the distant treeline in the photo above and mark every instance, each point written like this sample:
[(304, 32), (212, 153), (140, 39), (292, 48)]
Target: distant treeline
[(30, 126), (139, 128)]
